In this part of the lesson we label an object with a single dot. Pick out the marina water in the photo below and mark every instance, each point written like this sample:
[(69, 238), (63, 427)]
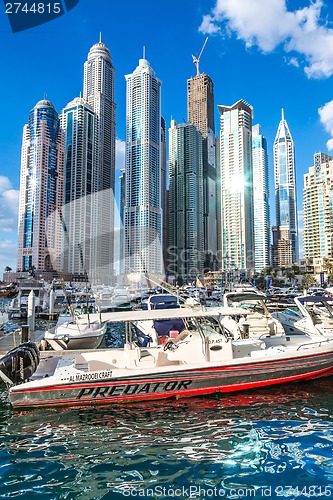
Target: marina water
[(269, 443)]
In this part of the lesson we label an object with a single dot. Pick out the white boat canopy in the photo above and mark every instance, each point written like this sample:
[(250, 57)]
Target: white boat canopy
[(163, 314)]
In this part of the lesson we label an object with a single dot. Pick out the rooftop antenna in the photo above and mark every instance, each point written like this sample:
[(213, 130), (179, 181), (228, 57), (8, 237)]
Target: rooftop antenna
[(45, 96), (196, 60), (144, 52), (100, 37), (282, 114)]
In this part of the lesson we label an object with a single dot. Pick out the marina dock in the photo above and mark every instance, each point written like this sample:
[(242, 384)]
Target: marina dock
[(12, 339)]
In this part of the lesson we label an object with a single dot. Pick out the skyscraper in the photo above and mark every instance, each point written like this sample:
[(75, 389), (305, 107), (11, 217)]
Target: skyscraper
[(41, 191), (200, 112), (261, 212), (285, 233), (186, 221), (121, 216), (200, 103), (236, 187), (143, 217), (164, 192), (78, 121), (318, 208), (98, 91)]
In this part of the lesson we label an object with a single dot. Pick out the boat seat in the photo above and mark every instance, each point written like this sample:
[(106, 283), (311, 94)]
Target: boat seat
[(136, 357), (256, 326)]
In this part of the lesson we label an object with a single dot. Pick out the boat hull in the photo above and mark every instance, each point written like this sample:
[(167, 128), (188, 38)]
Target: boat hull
[(100, 388)]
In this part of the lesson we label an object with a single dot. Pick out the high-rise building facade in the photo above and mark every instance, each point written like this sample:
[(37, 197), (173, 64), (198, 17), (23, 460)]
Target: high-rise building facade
[(285, 234), (98, 91), (41, 191), (186, 218), (235, 220), (78, 121), (121, 216), (261, 212), (164, 192), (200, 103), (143, 216), (200, 112), (318, 208)]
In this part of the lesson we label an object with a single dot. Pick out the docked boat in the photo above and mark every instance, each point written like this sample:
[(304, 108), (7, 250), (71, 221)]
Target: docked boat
[(109, 299), (68, 333), (8, 290), (258, 321), (313, 315), (19, 305), (202, 359)]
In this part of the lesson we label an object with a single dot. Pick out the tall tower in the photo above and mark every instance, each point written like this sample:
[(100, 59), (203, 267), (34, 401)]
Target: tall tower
[(236, 187), (41, 191), (200, 112), (285, 234), (186, 222), (98, 91), (164, 189), (261, 212), (143, 214), (318, 208), (78, 121)]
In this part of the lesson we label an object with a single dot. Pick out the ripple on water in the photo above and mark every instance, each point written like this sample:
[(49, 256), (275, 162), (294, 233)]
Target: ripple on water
[(260, 439)]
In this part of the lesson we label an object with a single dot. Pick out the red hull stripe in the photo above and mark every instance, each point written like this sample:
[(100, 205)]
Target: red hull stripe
[(178, 394), (198, 373)]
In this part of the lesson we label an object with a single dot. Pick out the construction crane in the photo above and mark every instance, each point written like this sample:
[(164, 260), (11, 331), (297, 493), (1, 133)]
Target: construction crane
[(196, 60)]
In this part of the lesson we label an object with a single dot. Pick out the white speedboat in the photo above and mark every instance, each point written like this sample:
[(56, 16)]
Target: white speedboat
[(69, 334), (313, 316), (258, 321), (202, 359), (109, 299)]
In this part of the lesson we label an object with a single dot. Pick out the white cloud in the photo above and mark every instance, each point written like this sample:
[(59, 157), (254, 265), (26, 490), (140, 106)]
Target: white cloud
[(4, 183), (329, 144), (268, 24), (293, 61), (9, 200), (120, 154), (8, 251), (326, 118)]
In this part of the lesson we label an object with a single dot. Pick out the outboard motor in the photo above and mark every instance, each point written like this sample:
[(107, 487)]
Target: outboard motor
[(19, 364)]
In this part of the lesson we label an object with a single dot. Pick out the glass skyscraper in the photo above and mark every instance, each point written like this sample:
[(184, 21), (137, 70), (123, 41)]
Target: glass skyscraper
[(98, 91), (41, 191), (80, 177), (235, 194), (143, 217), (285, 233), (261, 212), (186, 218)]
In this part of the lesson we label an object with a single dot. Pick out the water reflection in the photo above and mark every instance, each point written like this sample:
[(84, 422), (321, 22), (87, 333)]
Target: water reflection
[(256, 440)]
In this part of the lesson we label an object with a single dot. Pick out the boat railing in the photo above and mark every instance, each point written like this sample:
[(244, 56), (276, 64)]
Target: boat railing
[(311, 344)]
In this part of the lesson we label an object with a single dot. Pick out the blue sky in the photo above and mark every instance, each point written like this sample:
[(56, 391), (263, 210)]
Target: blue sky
[(272, 53)]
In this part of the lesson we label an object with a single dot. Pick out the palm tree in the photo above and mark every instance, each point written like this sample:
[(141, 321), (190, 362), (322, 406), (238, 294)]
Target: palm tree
[(308, 281), (328, 266)]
